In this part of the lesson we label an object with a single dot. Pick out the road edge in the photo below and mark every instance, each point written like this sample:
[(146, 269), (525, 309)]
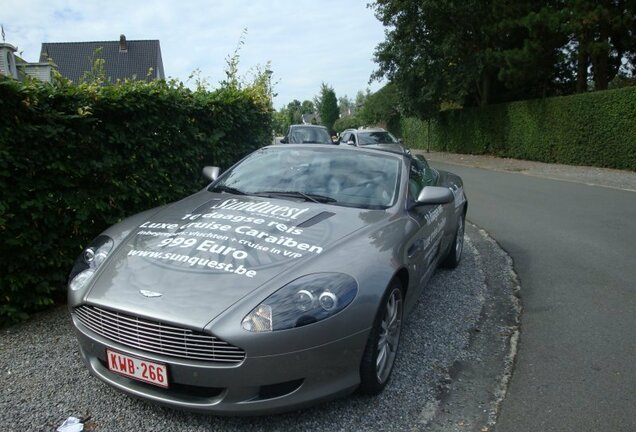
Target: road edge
[(470, 397), (584, 175)]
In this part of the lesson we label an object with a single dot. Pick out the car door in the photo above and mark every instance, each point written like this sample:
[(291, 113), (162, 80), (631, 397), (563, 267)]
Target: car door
[(423, 252), (352, 140), (344, 139)]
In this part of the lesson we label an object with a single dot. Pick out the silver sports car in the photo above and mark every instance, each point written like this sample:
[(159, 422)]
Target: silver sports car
[(283, 283)]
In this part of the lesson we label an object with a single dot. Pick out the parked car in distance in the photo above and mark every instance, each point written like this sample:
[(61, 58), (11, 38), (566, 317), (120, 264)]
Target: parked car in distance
[(367, 136), (283, 283), (307, 134)]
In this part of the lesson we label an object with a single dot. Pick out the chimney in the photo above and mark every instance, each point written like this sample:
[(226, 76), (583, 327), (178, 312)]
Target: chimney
[(123, 45)]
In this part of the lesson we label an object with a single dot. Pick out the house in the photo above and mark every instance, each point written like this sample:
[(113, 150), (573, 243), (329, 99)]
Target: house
[(14, 66), (8, 65), (123, 59)]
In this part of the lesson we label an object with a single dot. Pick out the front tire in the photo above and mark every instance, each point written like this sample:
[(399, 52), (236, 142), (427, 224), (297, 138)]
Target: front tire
[(381, 350)]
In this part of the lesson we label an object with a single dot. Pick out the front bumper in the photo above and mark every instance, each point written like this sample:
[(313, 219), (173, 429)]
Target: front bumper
[(258, 385)]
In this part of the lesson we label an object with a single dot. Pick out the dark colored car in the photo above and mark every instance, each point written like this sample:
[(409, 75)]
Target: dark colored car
[(307, 134), (283, 283)]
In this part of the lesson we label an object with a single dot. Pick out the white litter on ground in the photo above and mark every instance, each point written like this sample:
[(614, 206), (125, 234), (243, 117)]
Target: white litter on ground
[(71, 424)]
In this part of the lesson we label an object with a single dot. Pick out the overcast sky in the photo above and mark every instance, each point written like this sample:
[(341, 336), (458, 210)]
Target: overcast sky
[(307, 42)]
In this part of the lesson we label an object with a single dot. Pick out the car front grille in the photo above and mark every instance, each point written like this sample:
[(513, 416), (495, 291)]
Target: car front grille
[(156, 337)]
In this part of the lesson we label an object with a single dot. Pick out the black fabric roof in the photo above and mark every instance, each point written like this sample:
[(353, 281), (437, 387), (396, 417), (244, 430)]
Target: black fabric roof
[(73, 59)]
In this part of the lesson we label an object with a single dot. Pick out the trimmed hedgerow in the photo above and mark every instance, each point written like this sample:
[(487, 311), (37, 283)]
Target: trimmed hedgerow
[(596, 129), (76, 159)]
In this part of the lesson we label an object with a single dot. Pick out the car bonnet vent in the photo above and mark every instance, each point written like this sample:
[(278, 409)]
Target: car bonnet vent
[(316, 219)]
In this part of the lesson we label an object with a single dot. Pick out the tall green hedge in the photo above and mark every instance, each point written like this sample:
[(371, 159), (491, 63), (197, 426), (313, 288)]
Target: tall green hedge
[(76, 159), (597, 129)]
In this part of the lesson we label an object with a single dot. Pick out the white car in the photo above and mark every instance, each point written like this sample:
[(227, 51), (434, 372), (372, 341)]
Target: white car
[(367, 136)]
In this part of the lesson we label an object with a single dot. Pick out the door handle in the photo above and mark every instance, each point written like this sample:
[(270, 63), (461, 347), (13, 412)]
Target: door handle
[(414, 248)]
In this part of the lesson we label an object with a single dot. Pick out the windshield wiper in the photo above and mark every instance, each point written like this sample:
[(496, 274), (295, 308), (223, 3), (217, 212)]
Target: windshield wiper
[(228, 189), (297, 194)]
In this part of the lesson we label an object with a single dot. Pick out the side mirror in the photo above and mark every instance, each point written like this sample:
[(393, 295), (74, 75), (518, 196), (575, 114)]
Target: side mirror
[(211, 172), (351, 143), (434, 195), (284, 140), (400, 141)]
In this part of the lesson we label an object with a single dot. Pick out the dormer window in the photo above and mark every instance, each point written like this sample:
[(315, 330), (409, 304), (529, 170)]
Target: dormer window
[(123, 44)]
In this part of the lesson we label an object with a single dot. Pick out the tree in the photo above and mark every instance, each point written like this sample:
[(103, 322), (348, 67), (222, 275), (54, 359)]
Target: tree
[(475, 52), (529, 59), (361, 98), (434, 52), (382, 108), (602, 34), (349, 122), (307, 107), (280, 121), (345, 106), (327, 105), (294, 112)]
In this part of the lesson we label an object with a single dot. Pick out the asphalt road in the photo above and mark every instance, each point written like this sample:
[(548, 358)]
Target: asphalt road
[(573, 247)]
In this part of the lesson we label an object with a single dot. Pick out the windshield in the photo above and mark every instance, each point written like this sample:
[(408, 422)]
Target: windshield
[(314, 135), (328, 175), (382, 137)]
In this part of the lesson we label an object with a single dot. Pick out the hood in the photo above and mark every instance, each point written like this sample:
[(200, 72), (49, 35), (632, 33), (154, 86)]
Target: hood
[(193, 259)]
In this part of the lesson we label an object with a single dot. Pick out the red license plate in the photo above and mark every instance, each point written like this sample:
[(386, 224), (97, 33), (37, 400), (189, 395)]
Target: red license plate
[(136, 368)]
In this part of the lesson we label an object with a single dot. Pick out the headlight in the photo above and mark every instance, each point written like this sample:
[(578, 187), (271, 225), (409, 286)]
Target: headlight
[(304, 301), (89, 261)]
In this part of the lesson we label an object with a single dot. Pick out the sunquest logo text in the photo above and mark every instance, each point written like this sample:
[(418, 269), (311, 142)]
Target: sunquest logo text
[(265, 208)]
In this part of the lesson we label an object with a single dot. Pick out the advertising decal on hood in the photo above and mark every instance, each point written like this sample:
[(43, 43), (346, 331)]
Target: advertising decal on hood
[(233, 236)]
